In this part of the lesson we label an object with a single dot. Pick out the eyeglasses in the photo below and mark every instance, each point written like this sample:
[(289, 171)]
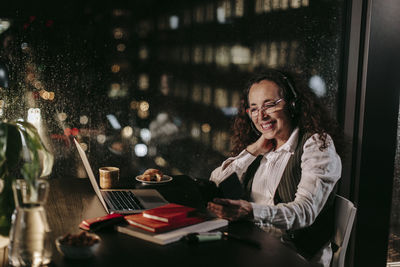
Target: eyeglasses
[(267, 108)]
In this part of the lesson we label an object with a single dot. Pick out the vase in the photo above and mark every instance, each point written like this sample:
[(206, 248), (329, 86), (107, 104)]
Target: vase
[(30, 233)]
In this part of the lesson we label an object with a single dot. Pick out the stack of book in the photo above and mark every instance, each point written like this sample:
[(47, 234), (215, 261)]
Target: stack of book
[(168, 223)]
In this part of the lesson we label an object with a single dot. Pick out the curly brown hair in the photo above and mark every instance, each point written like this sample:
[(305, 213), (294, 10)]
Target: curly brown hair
[(305, 109)]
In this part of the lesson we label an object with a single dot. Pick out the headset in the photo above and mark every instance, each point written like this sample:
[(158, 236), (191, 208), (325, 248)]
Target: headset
[(289, 85)]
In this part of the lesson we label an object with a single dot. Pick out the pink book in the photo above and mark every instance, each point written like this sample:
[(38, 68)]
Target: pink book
[(155, 226)]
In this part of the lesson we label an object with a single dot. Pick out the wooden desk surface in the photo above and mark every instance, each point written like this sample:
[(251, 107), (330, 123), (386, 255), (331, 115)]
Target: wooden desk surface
[(71, 200)]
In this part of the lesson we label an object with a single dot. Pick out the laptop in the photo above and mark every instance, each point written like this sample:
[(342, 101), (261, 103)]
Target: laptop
[(124, 201)]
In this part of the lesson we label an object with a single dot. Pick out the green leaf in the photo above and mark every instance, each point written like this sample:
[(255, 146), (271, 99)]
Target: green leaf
[(3, 140), (20, 141), (14, 142), (39, 153)]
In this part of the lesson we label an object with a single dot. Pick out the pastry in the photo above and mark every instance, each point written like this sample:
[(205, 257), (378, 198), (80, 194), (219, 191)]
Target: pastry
[(152, 175)]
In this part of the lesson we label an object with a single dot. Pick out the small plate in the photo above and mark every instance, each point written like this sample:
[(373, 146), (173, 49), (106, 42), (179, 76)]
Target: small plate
[(165, 179)]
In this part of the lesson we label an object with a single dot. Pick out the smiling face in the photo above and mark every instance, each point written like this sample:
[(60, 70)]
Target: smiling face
[(272, 125)]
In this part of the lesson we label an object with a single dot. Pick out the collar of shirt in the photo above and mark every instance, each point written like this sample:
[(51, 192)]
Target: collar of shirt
[(290, 145)]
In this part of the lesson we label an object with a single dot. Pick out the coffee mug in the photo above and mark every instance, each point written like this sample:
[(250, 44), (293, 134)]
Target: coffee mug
[(109, 177)]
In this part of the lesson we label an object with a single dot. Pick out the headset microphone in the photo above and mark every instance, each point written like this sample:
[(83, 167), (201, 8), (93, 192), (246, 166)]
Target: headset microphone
[(258, 133)]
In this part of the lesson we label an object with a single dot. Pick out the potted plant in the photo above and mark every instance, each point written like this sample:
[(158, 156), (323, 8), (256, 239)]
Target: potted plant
[(22, 153)]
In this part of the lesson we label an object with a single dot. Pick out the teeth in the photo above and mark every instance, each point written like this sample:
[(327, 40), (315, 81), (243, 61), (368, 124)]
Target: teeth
[(268, 125)]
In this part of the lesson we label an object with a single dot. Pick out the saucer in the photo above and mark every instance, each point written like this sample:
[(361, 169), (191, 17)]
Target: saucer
[(164, 179)]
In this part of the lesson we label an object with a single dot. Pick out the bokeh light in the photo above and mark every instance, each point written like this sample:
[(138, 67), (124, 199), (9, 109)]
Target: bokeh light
[(144, 106), (127, 131), (83, 119), (160, 161), (145, 134), (115, 68), (134, 104), (318, 86), (101, 138), (121, 47), (62, 116), (143, 81), (174, 22), (143, 53), (34, 115), (143, 114), (84, 146), (140, 150), (115, 86), (206, 128), (118, 33), (195, 132), (51, 96)]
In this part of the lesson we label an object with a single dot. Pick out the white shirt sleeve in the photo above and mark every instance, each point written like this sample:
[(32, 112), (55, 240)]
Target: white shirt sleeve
[(320, 172), (238, 164)]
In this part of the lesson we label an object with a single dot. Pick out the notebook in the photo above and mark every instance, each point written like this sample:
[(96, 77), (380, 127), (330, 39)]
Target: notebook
[(174, 235), (124, 201)]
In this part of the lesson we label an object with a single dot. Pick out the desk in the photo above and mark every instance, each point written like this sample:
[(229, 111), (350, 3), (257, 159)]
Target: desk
[(71, 200)]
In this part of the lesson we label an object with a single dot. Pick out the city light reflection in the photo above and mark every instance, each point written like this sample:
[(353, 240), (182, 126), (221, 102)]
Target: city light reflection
[(317, 84), (143, 81), (121, 47), (143, 53), (140, 150), (4, 25), (134, 104), (160, 161), (205, 127), (84, 146), (144, 106), (174, 22), (145, 134), (34, 116), (83, 119), (62, 116), (127, 132), (221, 15), (101, 138), (113, 121), (143, 114), (118, 33), (115, 68)]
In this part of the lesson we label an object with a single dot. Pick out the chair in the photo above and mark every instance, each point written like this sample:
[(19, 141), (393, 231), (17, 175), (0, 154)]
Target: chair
[(345, 213)]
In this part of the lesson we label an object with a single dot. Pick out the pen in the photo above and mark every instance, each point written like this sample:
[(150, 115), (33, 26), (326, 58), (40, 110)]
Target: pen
[(242, 239)]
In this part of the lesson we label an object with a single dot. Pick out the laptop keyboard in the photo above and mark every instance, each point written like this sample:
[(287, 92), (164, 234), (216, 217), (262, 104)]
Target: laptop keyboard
[(123, 200)]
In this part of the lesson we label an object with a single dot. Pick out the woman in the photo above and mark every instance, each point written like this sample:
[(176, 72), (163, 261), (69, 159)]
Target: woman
[(284, 155)]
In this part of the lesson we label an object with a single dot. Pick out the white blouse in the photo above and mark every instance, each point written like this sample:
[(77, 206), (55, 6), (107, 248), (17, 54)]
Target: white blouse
[(320, 172)]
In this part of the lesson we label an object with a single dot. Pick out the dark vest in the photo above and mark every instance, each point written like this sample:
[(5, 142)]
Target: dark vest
[(309, 240)]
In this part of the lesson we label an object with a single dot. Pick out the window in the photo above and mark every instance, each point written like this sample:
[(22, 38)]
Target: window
[(179, 69)]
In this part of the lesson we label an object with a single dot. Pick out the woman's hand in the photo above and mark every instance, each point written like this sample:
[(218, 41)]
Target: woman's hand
[(231, 210), (261, 146)]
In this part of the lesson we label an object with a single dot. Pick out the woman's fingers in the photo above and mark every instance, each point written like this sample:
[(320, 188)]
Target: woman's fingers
[(231, 209), (217, 209), (223, 201)]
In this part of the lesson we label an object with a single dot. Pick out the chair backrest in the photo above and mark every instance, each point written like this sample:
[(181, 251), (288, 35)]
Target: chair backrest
[(345, 213)]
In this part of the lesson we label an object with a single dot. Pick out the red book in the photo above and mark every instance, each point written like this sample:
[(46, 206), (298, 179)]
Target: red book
[(97, 223), (168, 213), (155, 226)]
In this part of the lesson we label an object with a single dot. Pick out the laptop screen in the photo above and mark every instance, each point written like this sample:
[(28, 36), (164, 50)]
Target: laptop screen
[(89, 171)]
